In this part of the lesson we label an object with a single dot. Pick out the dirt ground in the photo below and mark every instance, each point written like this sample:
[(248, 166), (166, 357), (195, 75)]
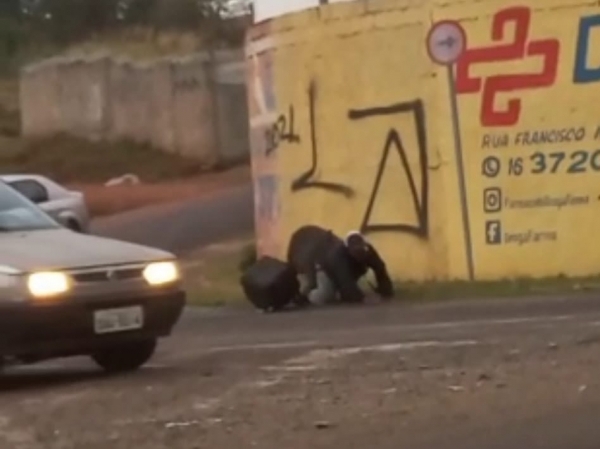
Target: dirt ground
[(103, 201), (86, 166), (393, 398)]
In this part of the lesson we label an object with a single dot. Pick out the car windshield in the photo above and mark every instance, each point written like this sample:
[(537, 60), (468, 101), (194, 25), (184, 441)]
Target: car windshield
[(18, 214)]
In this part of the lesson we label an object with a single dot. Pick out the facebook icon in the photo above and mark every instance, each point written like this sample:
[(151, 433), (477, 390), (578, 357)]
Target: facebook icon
[(493, 232)]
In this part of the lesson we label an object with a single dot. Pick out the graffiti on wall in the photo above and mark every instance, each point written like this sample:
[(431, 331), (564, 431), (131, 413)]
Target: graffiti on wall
[(265, 138), (521, 47), (529, 141), (307, 180), (282, 130), (393, 142)]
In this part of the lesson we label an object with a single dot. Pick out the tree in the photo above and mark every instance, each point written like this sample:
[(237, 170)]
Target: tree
[(221, 21), (10, 31), (176, 14), (65, 21), (10, 9), (136, 12)]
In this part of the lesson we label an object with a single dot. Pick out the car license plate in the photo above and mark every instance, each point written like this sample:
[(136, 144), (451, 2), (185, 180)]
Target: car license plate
[(118, 320)]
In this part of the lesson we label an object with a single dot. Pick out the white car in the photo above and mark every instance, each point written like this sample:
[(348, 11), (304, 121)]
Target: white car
[(65, 294), (67, 207)]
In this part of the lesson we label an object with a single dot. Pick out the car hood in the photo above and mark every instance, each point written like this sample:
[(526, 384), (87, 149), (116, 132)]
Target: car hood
[(64, 249)]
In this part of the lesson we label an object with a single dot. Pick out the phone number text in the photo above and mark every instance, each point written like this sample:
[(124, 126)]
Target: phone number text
[(540, 163)]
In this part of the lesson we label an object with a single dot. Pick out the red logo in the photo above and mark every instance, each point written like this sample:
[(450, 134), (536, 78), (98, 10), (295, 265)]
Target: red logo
[(518, 49)]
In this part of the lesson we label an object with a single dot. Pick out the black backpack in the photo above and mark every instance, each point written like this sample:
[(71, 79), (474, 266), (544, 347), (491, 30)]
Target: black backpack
[(270, 284)]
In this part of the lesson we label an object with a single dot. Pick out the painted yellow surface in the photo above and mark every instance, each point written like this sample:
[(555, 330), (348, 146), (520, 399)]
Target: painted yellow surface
[(544, 240), (365, 56)]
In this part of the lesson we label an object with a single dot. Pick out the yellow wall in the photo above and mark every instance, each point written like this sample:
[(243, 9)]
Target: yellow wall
[(365, 69)]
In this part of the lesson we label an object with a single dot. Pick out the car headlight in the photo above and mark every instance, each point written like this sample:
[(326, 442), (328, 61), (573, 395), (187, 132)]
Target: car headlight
[(161, 273), (47, 284)]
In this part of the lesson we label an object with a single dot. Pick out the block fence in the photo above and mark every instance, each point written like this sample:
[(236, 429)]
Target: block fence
[(194, 106)]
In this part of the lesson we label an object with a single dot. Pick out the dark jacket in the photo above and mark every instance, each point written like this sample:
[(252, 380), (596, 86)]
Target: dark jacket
[(312, 246)]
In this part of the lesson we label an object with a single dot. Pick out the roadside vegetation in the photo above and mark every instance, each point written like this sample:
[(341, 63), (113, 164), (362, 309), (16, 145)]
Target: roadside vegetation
[(213, 273), (87, 166), (70, 159), (34, 29), (104, 201), (31, 30), (435, 290)]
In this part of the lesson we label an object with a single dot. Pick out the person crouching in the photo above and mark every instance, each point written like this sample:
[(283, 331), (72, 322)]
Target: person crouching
[(330, 267)]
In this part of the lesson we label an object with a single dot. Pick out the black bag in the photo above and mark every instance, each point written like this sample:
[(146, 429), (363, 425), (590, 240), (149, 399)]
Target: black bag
[(270, 284)]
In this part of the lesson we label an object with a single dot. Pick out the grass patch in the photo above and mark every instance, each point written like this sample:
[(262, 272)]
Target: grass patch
[(10, 122), (104, 201), (10, 116), (435, 291), (139, 43), (70, 159), (9, 93), (213, 273)]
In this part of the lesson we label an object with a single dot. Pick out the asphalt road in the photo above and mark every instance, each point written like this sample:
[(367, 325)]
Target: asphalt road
[(501, 374), (494, 374), (184, 225)]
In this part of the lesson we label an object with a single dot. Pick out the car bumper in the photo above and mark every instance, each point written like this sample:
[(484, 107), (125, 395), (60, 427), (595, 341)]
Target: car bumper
[(67, 328)]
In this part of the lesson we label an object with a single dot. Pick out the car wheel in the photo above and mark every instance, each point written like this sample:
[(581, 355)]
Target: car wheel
[(126, 356)]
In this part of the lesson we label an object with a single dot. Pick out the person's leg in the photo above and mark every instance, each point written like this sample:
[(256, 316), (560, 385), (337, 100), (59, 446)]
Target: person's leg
[(305, 284), (345, 281), (325, 292)]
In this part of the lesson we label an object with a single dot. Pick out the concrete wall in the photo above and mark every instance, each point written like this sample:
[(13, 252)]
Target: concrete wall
[(189, 106), (354, 126)]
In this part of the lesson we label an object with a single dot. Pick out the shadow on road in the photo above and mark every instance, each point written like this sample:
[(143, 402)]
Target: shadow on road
[(23, 379), (41, 378)]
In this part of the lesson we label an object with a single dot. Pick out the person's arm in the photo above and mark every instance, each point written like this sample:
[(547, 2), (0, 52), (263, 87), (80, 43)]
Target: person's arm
[(348, 287), (339, 271), (384, 284), (301, 257)]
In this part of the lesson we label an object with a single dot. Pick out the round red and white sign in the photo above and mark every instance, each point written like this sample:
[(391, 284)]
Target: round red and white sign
[(446, 42)]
